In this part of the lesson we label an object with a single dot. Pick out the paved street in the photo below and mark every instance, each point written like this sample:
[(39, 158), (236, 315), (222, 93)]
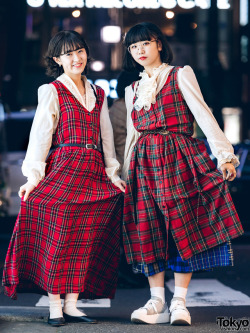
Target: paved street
[(220, 293)]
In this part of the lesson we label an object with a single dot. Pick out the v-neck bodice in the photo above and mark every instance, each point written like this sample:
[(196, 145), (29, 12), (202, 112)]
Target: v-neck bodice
[(76, 124)]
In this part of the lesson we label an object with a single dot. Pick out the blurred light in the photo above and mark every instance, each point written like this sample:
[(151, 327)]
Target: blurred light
[(76, 13), (203, 4), (104, 84), (232, 124), (223, 4), (111, 34), (97, 66), (104, 3), (108, 86), (243, 12), (170, 30), (113, 85), (66, 3), (194, 25), (244, 48), (35, 3), (169, 14), (79, 29), (154, 4), (186, 4), (169, 4)]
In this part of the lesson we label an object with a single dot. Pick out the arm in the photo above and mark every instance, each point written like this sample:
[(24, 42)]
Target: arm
[(111, 164), (44, 124), (219, 144), (132, 134)]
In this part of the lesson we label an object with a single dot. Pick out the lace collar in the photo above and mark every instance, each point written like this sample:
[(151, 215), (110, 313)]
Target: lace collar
[(147, 88), (88, 99)]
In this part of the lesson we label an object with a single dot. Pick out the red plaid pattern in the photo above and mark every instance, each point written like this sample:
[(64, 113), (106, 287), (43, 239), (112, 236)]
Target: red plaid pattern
[(66, 238), (173, 184)]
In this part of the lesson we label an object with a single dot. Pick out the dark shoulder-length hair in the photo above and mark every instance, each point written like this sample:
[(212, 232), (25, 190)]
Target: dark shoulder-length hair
[(140, 32), (63, 42)]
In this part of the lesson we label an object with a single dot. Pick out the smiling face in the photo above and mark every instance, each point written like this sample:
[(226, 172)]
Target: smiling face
[(72, 61)]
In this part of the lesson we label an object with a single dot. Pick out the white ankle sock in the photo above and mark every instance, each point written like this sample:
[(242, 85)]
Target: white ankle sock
[(71, 309), (158, 292), (180, 292), (55, 309)]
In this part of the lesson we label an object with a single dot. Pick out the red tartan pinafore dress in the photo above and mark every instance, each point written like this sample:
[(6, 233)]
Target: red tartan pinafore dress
[(67, 235), (173, 185)]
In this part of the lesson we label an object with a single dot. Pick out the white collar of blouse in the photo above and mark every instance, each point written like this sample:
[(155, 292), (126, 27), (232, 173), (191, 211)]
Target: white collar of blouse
[(88, 99), (147, 88)]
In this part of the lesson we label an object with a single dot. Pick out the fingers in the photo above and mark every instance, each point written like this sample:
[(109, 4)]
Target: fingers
[(21, 192), (25, 190), (224, 172), (121, 184), (26, 195), (122, 187), (231, 176)]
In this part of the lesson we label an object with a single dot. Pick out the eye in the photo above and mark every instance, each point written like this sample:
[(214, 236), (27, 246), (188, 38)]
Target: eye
[(146, 43), (68, 54), (133, 46), (79, 51)]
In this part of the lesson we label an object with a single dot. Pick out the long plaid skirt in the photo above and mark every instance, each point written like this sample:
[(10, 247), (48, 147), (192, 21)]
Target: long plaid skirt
[(173, 185), (67, 235)]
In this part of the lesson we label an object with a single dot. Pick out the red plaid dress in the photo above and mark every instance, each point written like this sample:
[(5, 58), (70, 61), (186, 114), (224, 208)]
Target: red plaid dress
[(66, 237), (173, 184)]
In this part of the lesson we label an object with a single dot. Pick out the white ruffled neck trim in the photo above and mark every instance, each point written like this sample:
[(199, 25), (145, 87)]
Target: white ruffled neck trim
[(146, 92)]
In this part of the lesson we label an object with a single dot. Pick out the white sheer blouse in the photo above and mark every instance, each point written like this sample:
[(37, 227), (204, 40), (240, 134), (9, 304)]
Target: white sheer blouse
[(45, 123), (220, 146)]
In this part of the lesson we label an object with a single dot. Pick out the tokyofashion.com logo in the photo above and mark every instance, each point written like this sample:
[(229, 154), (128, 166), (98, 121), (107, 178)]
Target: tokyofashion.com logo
[(231, 324)]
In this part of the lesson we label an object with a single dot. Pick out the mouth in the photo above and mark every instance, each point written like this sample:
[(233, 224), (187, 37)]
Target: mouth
[(142, 58), (77, 65)]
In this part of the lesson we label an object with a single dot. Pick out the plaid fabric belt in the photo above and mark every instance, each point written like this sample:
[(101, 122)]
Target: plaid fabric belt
[(159, 131), (88, 145)]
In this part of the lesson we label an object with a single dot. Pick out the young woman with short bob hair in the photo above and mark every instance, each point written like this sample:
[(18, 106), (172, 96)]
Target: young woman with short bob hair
[(66, 239), (178, 212)]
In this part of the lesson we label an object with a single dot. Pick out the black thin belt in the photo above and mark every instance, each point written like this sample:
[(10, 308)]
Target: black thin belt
[(87, 146), (156, 131)]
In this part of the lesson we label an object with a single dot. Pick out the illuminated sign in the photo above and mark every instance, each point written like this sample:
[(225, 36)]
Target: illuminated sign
[(150, 4), (109, 87)]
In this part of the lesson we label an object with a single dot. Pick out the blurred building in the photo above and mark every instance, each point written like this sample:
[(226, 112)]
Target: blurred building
[(210, 35)]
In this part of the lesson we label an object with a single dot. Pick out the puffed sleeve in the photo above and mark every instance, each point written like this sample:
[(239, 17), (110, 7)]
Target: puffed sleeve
[(111, 164), (132, 134), (44, 124), (219, 144)]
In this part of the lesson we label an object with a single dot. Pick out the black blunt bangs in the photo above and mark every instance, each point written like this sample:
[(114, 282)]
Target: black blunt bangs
[(137, 34), (140, 32), (69, 43), (62, 43)]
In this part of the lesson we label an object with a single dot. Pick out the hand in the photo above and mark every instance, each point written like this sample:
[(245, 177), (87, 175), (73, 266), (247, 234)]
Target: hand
[(121, 184), (25, 190), (228, 171)]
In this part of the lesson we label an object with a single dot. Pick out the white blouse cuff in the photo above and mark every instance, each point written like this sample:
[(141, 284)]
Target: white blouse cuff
[(228, 158), (112, 168), (34, 170)]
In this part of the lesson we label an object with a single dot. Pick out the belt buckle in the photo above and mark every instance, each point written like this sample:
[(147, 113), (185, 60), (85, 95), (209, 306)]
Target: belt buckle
[(91, 146)]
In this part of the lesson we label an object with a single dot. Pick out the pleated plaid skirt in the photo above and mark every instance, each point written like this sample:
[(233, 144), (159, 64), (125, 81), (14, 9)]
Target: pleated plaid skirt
[(67, 235)]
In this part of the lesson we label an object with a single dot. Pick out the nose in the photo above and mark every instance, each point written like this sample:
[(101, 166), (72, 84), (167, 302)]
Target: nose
[(75, 56), (140, 49)]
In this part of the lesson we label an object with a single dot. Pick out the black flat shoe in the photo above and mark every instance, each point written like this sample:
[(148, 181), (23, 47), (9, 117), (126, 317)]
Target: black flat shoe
[(82, 319), (56, 322)]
